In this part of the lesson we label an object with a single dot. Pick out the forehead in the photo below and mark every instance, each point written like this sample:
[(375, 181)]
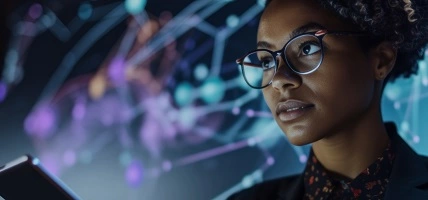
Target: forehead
[(281, 17)]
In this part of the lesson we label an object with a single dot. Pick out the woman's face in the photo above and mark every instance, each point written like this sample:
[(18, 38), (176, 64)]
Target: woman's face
[(334, 97)]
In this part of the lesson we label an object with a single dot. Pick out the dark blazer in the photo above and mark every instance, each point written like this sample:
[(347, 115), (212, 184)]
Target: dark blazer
[(408, 180)]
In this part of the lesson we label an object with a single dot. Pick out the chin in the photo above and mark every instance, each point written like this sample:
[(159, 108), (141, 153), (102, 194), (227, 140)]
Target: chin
[(298, 135)]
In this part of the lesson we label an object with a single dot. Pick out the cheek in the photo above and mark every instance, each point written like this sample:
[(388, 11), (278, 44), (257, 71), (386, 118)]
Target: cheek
[(347, 86), (269, 96)]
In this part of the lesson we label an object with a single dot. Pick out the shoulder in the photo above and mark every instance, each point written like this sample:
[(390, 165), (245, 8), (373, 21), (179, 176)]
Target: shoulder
[(265, 190)]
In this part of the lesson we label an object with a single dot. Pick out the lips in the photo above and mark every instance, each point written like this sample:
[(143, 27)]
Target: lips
[(292, 109)]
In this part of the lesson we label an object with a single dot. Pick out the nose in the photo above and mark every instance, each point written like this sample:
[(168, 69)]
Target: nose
[(285, 78)]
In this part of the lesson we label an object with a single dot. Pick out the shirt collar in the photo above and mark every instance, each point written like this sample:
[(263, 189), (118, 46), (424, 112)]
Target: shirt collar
[(370, 183)]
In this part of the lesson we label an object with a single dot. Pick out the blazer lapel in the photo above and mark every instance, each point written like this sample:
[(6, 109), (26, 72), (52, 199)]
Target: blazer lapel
[(408, 173), (293, 190)]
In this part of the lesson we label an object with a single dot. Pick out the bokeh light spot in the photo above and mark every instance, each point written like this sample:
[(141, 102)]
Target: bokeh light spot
[(303, 158), (183, 94), (41, 122), (69, 158), (212, 91), (3, 91), (135, 6), (392, 91), (270, 160), (247, 181), (85, 11), (201, 72), (134, 174), (35, 11), (232, 21)]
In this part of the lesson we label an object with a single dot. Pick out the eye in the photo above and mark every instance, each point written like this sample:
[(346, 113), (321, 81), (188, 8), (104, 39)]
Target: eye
[(267, 63), (310, 48)]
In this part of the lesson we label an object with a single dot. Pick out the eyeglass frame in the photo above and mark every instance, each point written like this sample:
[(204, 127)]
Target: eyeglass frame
[(318, 34)]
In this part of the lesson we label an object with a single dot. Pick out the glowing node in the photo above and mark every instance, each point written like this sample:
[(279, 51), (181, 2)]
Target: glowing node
[(134, 174), (303, 158), (250, 113), (3, 91), (236, 110), (247, 181), (79, 111), (97, 86), (35, 11), (270, 160), (116, 70), (187, 118), (405, 126), (425, 81), (184, 94), (392, 91), (85, 11), (166, 165), (41, 122), (212, 91), (232, 21), (201, 72), (257, 175), (125, 158), (416, 139), (69, 158), (135, 6), (252, 141), (397, 105)]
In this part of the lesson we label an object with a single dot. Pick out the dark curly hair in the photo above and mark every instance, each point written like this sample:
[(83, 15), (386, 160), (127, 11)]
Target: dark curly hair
[(402, 22)]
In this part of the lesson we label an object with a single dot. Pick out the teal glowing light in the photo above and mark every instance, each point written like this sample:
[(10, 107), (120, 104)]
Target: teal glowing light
[(135, 6), (393, 91), (201, 72), (183, 94), (212, 91), (232, 21), (85, 11)]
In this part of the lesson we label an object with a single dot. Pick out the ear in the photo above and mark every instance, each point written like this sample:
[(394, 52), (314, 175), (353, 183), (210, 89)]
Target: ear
[(384, 56)]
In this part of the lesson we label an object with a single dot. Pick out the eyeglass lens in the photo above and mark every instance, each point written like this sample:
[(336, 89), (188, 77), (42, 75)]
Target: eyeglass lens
[(303, 55)]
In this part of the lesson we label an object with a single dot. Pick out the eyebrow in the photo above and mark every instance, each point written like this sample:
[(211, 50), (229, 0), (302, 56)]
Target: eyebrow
[(302, 29)]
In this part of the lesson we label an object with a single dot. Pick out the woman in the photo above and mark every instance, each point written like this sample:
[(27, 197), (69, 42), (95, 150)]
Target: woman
[(322, 66)]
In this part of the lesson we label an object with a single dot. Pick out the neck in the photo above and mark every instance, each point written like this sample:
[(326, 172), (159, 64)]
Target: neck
[(348, 152)]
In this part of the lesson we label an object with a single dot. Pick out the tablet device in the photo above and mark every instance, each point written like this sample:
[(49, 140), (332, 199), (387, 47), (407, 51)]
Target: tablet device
[(25, 178)]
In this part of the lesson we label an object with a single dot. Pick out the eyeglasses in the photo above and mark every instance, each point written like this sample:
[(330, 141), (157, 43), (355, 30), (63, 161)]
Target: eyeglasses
[(303, 54)]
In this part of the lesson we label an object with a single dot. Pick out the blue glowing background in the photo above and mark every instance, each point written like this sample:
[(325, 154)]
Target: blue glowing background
[(142, 99)]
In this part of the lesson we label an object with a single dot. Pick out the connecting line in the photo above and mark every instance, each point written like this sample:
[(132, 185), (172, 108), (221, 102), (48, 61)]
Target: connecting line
[(178, 28), (58, 28), (206, 28), (211, 153), (227, 105), (224, 34), (417, 81), (79, 50)]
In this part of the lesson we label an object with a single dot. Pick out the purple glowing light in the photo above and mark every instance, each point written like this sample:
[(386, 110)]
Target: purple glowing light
[(166, 165), (270, 160), (250, 113), (3, 91), (79, 111), (116, 70), (41, 122), (69, 158), (303, 158), (35, 11), (134, 174), (416, 139), (236, 110)]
